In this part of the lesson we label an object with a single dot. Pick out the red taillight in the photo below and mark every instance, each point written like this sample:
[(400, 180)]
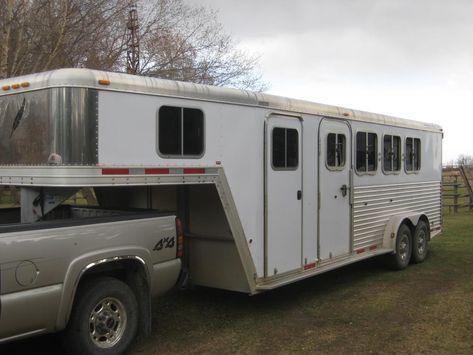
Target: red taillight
[(180, 239)]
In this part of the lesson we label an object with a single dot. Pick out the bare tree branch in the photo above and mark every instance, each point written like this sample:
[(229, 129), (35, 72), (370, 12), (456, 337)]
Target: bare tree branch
[(178, 41)]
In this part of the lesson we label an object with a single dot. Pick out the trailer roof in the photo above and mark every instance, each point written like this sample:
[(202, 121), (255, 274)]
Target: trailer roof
[(140, 84)]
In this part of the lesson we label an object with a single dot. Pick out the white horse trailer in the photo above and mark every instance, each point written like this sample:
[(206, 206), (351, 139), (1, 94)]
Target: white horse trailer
[(271, 190)]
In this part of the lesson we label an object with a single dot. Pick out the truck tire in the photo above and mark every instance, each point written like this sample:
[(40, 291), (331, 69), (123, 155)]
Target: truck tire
[(403, 249), (420, 242), (104, 319)]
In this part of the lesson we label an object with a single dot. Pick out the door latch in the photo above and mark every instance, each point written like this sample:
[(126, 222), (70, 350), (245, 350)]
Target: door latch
[(299, 194), (344, 190)]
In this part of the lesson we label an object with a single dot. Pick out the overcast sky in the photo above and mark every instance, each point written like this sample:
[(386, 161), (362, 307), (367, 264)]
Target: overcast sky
[(408, 58)]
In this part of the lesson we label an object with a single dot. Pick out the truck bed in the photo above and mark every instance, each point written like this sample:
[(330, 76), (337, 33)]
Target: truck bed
[(68, 215)]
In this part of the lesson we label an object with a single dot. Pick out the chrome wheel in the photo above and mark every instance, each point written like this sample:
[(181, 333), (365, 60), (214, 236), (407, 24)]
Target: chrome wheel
[(421, 242), (404, 247), (107, 322)]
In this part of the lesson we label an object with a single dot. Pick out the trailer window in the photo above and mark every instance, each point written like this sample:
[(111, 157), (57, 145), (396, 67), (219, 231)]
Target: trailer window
[(285, 153), (391, 153), (413, 154), (180, 132), (366, 152), (336, 148)]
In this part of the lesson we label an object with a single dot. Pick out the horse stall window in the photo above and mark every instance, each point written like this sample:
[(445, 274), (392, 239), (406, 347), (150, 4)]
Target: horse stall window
[(180, 132), (413, 154), (285, 144), (366, 152), (391, 153), (336, 150)]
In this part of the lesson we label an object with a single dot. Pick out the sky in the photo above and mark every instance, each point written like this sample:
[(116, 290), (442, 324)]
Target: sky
[(406, 58)]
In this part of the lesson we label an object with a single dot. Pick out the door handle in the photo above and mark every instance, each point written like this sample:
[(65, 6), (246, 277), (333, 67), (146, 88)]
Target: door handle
[(299, 194), (344, 190)]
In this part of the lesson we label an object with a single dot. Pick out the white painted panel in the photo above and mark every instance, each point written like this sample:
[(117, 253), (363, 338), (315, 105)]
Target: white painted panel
[(233, 136), (310, 128), (284, 209), (334, 213)]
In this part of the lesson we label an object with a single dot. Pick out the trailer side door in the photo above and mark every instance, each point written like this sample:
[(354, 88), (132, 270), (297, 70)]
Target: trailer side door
[(334, 189), (283, 247)]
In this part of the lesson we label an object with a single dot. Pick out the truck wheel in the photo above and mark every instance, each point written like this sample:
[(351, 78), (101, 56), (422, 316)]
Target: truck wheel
[(403, 249), (104, 320), (420, 242)]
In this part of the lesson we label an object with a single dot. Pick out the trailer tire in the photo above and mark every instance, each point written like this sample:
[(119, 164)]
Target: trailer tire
[(420, 242), (104, 320), (403, 249)]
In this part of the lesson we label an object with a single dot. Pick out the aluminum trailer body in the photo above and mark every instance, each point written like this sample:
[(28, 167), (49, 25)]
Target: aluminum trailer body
[(271, 190)]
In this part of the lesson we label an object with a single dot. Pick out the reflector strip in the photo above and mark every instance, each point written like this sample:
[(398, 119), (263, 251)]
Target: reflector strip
[(156, 171), (194, 171), (359, 251), (115, 171), (309, 266), (373, 247)]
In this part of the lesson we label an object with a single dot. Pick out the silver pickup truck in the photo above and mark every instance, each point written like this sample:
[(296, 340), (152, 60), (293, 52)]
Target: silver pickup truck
[(89, 271)]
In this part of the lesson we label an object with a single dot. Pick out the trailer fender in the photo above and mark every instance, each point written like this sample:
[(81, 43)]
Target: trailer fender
[(390, 232), (79, 266)]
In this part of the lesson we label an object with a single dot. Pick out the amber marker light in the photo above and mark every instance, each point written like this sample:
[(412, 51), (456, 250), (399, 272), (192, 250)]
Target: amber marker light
[(104, 82), (25, 84), (6, 87), (15, 86)]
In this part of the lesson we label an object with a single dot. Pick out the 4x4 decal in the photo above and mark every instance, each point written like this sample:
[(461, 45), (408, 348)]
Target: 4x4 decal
[(167, 242)]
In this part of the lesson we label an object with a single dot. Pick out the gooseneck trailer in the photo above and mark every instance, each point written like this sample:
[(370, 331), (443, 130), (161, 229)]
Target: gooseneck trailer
[(269, 190)]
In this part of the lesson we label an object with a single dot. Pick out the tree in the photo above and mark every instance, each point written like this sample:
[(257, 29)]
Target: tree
[(464, 159), (178, 41)]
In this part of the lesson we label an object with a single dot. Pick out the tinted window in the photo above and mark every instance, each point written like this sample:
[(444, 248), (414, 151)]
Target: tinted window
[(285, 150), (292, 148), (366, 151), (279, 147), (193, 131), (180, 131)]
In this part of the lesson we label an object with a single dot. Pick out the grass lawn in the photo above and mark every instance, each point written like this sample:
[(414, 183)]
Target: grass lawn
[(363, 308)]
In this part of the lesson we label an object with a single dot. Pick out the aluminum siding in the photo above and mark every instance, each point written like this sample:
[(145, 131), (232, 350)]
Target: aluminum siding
[(374, 205)]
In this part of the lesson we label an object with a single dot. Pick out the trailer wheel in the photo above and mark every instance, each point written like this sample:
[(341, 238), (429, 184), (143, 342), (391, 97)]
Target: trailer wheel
[(403, 249), (104, 320), (420, 242)]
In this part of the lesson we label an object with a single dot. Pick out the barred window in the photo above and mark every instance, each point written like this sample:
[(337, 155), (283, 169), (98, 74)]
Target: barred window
[(366, 152), (391, 153), (413, 154)]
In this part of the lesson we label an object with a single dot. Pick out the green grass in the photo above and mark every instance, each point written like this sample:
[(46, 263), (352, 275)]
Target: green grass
[(363, 308)]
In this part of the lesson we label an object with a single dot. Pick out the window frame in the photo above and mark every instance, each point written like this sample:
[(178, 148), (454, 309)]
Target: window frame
[(285, 146), (182, 156), (367, 172), (413, 171), (337, 167), (401, 156)]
